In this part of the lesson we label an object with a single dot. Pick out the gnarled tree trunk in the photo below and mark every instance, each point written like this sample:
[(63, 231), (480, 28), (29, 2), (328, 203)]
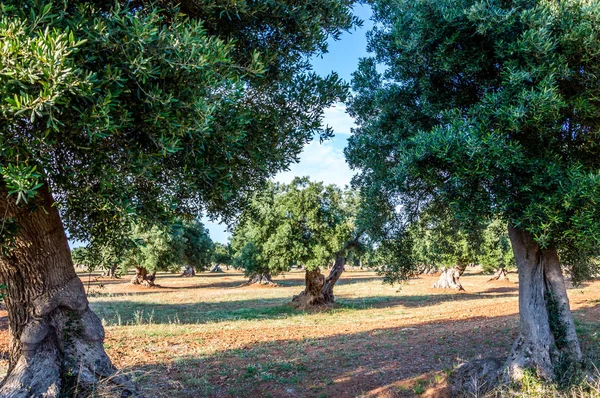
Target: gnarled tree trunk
[(450, 277), (547, 335), (216, 269), (189, 271), (499, 275), (332, 278), (111, 272), (142, 277), (56, 341), (313, 292), (319, 290), (261, 279)]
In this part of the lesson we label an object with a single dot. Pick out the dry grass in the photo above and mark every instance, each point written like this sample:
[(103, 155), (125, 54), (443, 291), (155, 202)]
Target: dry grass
[(207, 336)]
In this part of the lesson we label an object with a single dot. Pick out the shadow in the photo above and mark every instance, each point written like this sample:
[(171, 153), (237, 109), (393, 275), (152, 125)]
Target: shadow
[(382, 362), (119, 312), (505, 289), (366, 363)]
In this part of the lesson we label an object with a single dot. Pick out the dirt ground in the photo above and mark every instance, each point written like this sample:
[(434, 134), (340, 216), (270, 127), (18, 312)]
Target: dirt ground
[(208, 336)]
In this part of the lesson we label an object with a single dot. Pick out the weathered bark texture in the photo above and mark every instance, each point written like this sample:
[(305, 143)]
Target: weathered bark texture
[(547, 335), (56, 341), (111, 272), (319, 290), (189, 271), (142, 277), (216, 269), (332, 278), (313, 292), (500, 275), (261, 279), (450, 278)]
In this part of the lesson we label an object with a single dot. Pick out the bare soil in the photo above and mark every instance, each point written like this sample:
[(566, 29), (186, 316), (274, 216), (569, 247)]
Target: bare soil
[(210, 336)]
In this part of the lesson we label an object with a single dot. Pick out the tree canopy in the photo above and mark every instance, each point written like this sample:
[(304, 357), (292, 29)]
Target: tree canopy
[(489, 107), (145, 110), (305, 223)]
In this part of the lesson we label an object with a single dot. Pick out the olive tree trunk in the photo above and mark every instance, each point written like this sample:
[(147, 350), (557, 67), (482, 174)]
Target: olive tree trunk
[(216, 269), (313, 291), (111, 272), (450, 277), (189, 271), (499, 275), (56, 341), (261, 279), (547, 339), (319, 290), (142, 277)]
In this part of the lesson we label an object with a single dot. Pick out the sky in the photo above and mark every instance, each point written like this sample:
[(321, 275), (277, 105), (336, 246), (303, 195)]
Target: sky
[(325, 161)]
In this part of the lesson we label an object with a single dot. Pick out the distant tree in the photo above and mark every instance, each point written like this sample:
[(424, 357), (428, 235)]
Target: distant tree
[(223, 254), (496, 255), (492, 109), (106, 258), (113, 111), (167, 249), (305, 223)]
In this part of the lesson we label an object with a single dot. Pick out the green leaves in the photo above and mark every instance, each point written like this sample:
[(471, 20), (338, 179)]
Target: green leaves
[(485, 109), (303, 222), (22, 181), (146, 112)]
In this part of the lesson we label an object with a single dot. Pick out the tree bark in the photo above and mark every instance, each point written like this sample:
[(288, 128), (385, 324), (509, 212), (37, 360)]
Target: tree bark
[(261, 279), (313, 291), (319, 290), (332, 278), (547, 338), (142, 277), (56, 341), (450, 277), (189, 271), (500, 275), (216, 269)]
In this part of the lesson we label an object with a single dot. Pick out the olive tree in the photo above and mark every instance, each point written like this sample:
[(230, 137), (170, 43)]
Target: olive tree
[(491, 107), (115, 112), (305, 223)]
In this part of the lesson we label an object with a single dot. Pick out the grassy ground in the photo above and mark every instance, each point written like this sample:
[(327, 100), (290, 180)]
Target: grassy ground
[(207, 336)]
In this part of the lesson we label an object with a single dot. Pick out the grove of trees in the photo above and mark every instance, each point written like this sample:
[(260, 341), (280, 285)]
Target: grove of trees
[(121, 112), (123, 122)]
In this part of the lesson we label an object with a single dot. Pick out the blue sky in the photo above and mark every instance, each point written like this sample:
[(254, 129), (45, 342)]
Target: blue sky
[(325, 162)]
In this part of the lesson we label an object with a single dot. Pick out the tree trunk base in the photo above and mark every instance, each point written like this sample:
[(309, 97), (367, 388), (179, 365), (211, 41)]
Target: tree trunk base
[(63, 353), (261, 279), (312, 296), (216, 269), (189, 272), (142, 278), (500, 275), (449, 279)]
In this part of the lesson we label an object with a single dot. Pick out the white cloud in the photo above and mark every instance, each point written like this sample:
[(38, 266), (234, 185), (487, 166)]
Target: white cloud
[(320, 162), (336, 117)]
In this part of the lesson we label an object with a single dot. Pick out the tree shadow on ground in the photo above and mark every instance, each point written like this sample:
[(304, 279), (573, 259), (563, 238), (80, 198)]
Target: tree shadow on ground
[(131, 312), (343, 365), (371, 363)]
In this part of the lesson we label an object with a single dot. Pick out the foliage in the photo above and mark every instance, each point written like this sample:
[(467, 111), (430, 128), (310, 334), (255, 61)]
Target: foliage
[(222, 254), (489, 108), (304, 222), (168, 249), (496, 251), (141, 110)]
